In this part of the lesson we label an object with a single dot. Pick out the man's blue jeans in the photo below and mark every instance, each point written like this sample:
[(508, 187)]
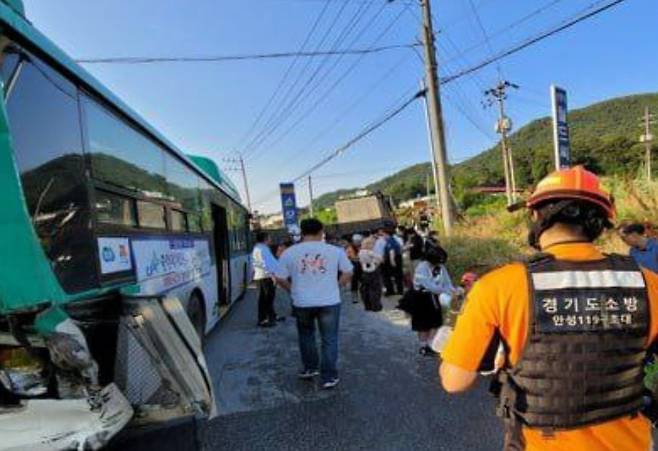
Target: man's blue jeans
[(327, 319)]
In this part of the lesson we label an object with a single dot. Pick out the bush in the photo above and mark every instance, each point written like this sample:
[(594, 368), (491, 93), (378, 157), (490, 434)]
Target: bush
[(478, 204), (468, 253)]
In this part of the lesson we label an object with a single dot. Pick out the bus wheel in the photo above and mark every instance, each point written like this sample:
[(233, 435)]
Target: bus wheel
[(197, 314)]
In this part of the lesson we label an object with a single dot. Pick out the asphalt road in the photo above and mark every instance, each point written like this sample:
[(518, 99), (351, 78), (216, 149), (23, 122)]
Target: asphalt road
[(388, 399)]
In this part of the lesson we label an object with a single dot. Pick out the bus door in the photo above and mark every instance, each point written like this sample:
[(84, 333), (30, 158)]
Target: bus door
[(220, 240)]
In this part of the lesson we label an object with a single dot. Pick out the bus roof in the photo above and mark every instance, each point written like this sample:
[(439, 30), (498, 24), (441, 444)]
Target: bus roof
[(211, 169), (11, 14)]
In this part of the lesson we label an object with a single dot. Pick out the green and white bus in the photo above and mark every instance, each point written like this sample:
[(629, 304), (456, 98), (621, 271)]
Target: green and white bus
[(104, 222)]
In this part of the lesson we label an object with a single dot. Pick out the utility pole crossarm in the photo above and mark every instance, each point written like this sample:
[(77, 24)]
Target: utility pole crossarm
[(498, 95), (239, 161)]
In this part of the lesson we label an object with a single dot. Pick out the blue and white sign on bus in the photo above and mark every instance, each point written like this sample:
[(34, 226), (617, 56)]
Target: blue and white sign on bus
[(114, 255), (560, 128), (289, 207)]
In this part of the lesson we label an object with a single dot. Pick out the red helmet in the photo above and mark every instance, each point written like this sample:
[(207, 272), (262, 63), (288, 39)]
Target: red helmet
[(572, 183)]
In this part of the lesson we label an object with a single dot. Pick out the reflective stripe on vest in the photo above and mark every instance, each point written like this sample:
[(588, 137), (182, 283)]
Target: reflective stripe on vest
[(582, 362), (587, 279)]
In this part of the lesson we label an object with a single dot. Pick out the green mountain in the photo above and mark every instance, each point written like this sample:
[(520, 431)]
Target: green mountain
[(604, 138)]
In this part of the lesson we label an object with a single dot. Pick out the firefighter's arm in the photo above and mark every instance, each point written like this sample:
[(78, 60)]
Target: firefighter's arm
[(468, 344), (455, 379)]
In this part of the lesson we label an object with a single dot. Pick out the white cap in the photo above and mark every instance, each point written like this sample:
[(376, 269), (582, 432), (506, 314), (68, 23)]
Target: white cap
[(357, 238)]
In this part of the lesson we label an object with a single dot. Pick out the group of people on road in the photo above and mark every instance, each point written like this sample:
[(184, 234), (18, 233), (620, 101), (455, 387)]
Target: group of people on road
[(373, 264), (573, 325)]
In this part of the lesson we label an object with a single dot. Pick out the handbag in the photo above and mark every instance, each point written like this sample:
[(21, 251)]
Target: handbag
[(407, 301)]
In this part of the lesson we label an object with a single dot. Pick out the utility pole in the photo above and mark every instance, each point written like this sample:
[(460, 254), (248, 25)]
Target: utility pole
[(240, 162), (647, 139), (435, 175), (498, 95), (244, 180), (437, 134), (310, 195)]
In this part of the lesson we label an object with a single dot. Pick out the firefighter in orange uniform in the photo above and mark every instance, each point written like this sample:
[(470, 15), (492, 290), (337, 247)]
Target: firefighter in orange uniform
[(575, 324)]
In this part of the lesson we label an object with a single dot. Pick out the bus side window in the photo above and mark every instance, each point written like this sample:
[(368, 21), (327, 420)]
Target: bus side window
[(151, 215), (114, 209), (121, 155), (178, 221), (44, 124)]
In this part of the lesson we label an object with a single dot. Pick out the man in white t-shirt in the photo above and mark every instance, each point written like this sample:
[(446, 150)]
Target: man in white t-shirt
[(309, 270)]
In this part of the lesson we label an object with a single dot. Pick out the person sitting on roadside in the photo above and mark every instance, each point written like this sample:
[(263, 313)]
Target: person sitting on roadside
[(644, 250), (312, 267)]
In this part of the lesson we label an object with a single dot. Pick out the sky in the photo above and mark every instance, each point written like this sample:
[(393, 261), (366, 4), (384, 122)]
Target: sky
[(220, 108)]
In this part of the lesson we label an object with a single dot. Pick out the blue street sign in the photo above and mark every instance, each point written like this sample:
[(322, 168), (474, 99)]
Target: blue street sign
[(560, 128), (289, 207)]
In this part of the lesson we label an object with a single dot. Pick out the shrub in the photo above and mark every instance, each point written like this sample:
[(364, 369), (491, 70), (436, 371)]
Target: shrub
[(467, 253)]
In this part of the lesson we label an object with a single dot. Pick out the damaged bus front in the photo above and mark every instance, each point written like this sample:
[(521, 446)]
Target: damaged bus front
[(85, 349)]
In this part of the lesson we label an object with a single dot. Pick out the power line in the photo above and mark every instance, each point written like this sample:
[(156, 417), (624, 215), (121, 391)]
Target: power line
[(508, 27), (333, 87), (371, 128), (344, 113), (531, 41), (284, 105), (277, 90), (461, 100), (370, 171), (460, 18), (468, 117), (222, 58), (298, 98), (478, 20)]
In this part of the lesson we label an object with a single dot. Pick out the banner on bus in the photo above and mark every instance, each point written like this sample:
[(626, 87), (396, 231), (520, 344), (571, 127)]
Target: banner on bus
[(289, 208), (560, 128), (165, 263)]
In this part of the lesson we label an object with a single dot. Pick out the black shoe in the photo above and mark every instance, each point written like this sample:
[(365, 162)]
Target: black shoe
[(308, 374), (427, 351), (280, 318), (266, 323)]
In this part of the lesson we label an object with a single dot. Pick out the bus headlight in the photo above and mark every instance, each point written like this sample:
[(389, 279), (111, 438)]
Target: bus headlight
[(22, 373)]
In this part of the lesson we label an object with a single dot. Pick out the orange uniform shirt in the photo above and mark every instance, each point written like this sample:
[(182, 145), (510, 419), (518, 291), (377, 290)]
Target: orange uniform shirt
[(500, 301)]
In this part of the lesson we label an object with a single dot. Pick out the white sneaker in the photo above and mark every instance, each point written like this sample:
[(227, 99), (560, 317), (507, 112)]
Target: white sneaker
[(330, 384)]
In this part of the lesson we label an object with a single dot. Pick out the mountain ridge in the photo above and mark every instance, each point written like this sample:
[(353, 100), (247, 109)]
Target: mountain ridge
[(604, 137)]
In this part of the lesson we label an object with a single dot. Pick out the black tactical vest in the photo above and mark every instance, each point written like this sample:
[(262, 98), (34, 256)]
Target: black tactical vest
[(583, 360)]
